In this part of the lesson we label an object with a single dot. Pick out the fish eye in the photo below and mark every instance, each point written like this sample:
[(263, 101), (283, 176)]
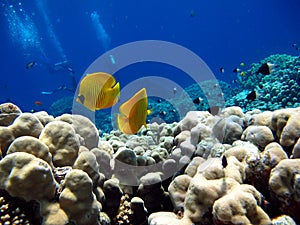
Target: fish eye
[(81, 99)]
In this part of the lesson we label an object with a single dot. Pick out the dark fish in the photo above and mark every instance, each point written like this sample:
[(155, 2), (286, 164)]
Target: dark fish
[(252, 96), (236, 70), (197, 101), (159, 100), (222, 70), (192, 13), (162, 113), (296, 47), (220, 95), (29, 65), (266, 69), (214, 110), (224, 161), (174, 90), (235, 81)]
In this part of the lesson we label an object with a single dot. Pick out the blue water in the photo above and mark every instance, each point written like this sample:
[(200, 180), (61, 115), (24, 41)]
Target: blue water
[(223, 33)]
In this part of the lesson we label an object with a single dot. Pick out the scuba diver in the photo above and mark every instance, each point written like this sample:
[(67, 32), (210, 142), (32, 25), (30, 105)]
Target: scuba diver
[(60, 88), (62, 66)]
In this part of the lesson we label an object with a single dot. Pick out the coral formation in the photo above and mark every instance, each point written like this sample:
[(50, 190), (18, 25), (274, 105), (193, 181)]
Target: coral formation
[(8, 113), (235, 167), (21, 169), (285, 185), (62, 141), (33, 146), (26, 124), (15, 210), (77, 199)]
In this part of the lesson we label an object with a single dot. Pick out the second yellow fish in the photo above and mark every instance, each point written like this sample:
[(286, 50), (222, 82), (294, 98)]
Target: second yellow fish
[(98, 91), (133, 113)]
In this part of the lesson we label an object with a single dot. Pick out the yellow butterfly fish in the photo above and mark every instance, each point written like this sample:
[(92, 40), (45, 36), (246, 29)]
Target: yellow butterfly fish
[(98, 91), (133, 113)]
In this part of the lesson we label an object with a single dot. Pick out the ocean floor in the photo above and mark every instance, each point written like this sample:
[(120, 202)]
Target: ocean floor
[(235, 167)]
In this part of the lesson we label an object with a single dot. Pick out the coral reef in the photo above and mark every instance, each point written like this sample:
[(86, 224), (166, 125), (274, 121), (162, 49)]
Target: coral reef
[(77, 199), (8, 113), (236, 167)]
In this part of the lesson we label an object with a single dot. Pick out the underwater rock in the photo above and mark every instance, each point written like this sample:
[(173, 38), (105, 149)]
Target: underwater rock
[(189, 121), (168, 156), (106, 146), (103, 159), (153, 194), (235, 169), (199, 133), (187, 148), (138, 211), (279, 120), (283, 220), (181, 137), (125, 161), (285, 185), (258, 135), (44, 117), (163, 218), (166, 142), (233, 111), (26, 124), (228, 130), (291, 131), (53, 214), (273, 154), (83, 127), (296, 149), (178, 189), (33, 146), (8, 113), (86, 161), (62, 141), (21, 169), (240, 206), (6, 138), (78, 200), (191, 169), (202, 193), (260, 119), (113, 194)]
